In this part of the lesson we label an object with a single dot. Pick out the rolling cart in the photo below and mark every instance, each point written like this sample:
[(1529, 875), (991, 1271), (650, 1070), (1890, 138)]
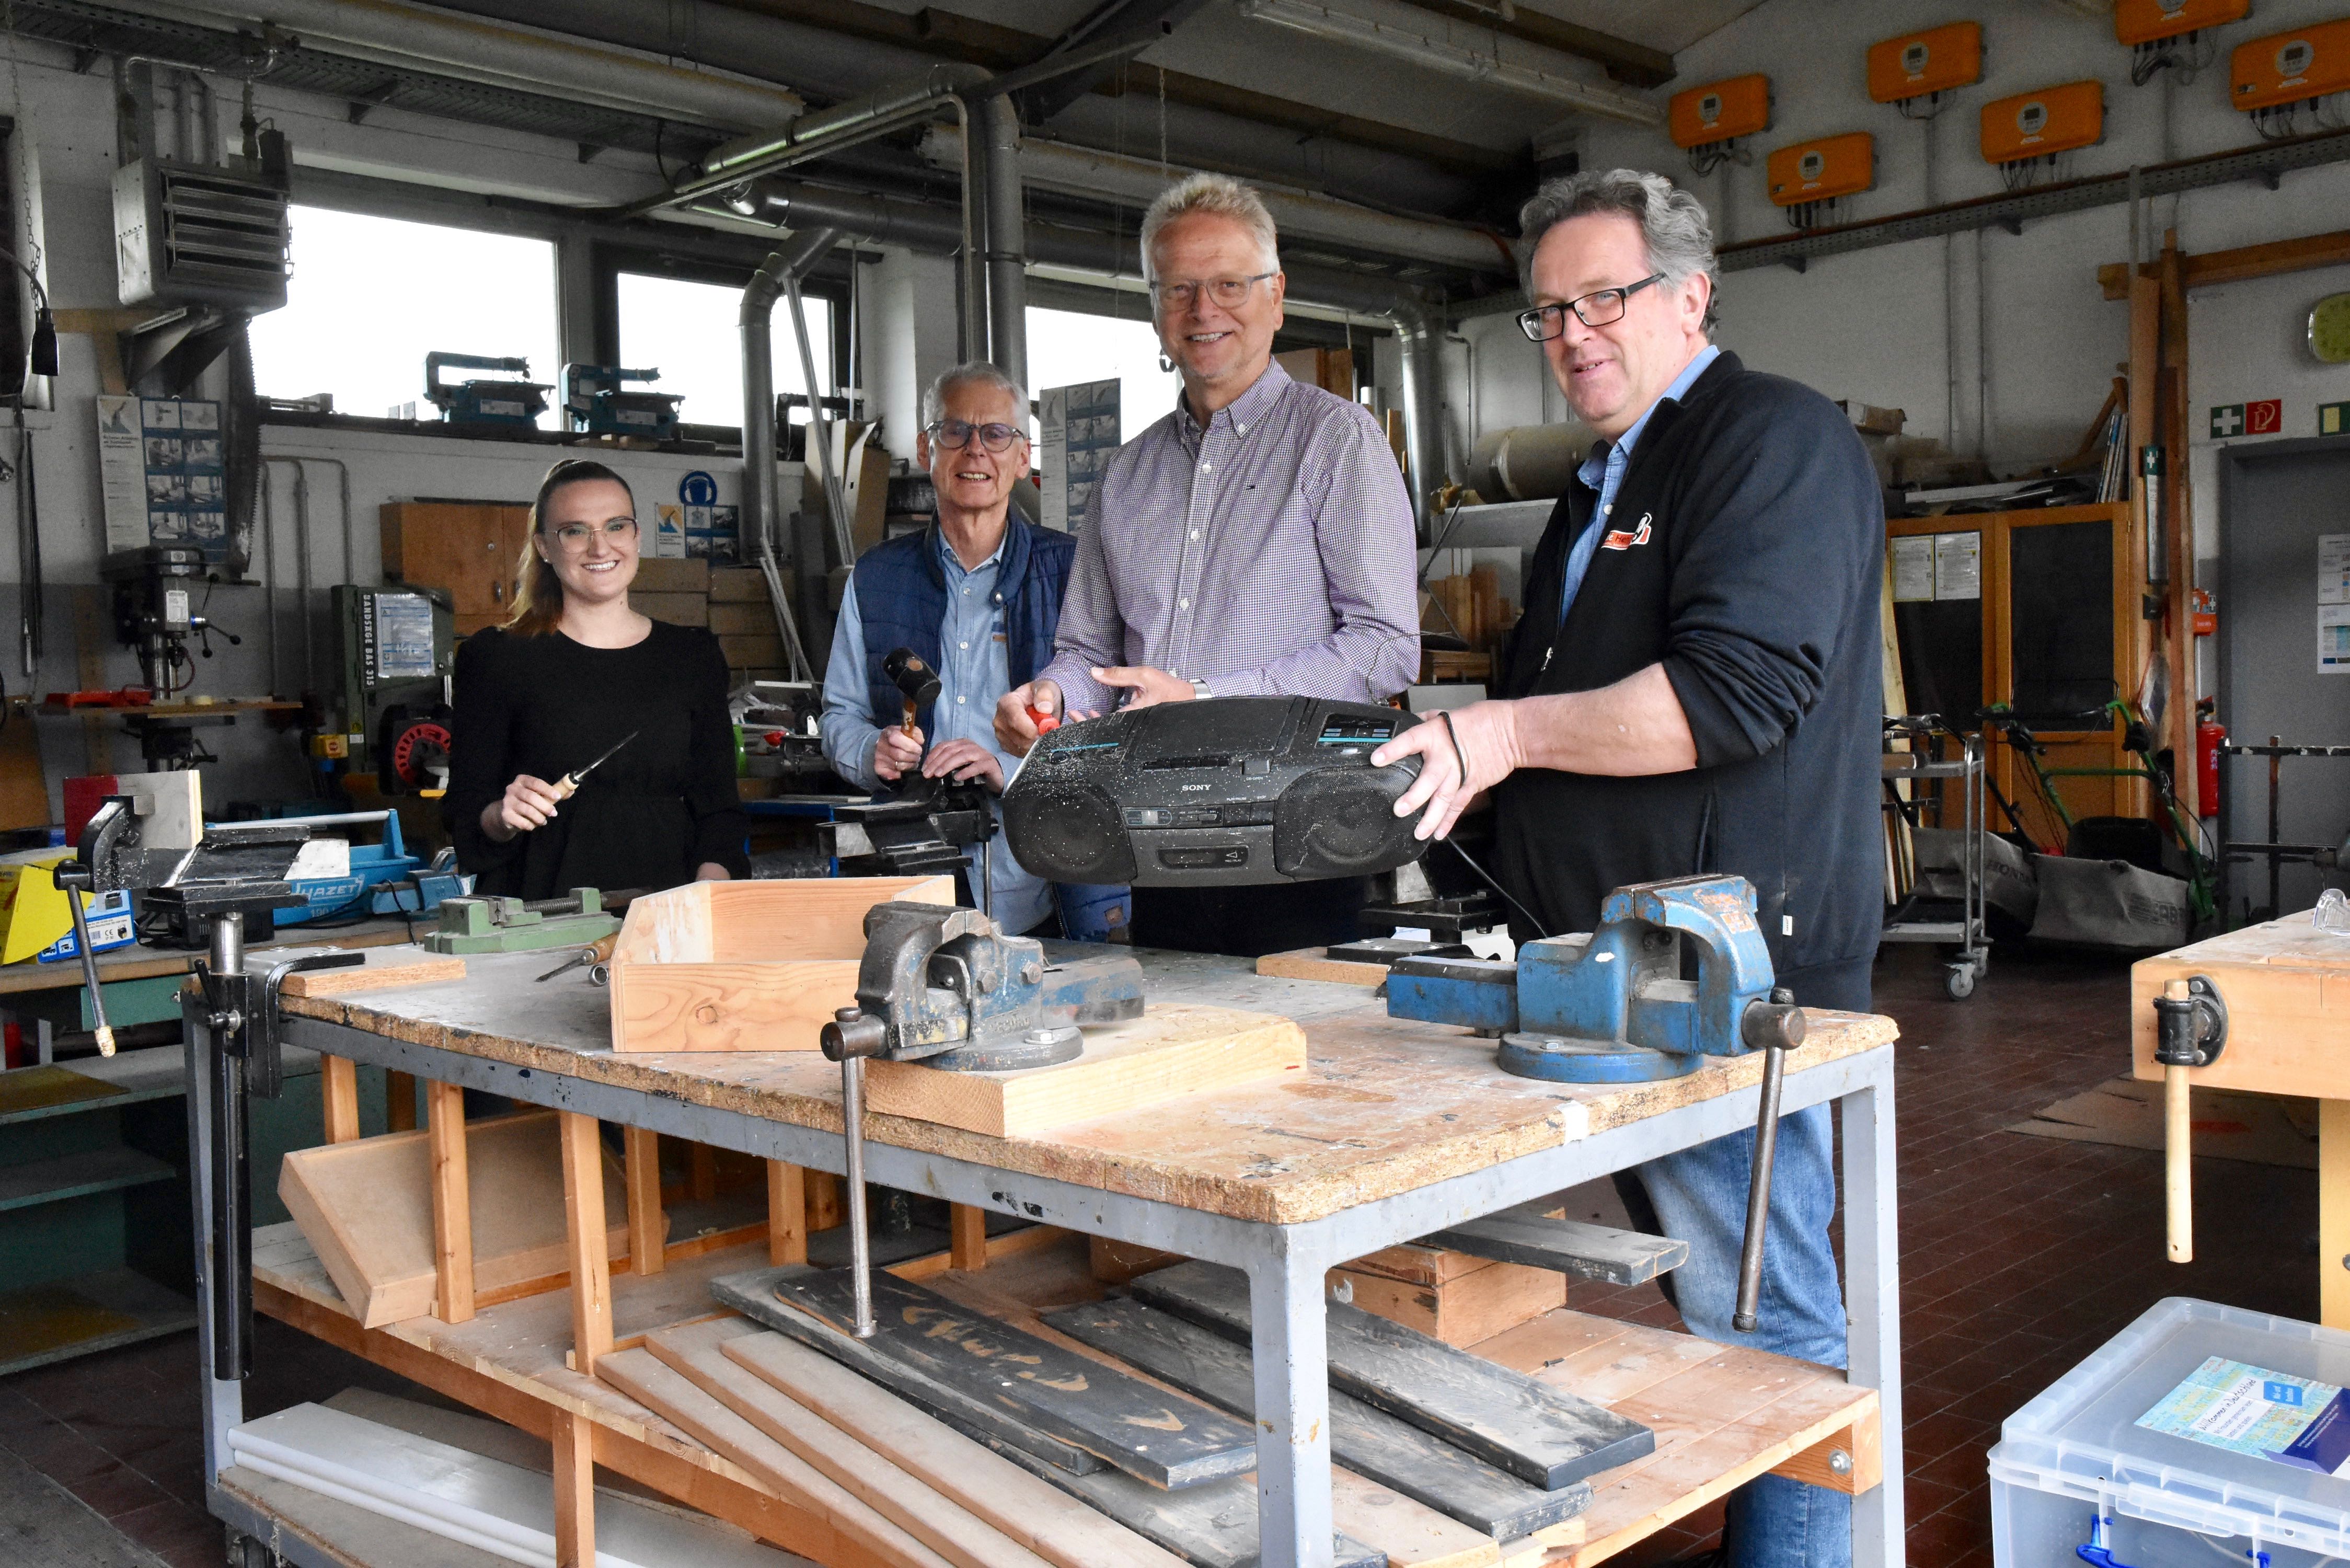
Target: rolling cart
[(1968, 932)]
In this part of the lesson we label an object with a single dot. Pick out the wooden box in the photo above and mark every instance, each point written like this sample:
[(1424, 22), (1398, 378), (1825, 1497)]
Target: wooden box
[(366, 1209), (468, 549), (746, 966)]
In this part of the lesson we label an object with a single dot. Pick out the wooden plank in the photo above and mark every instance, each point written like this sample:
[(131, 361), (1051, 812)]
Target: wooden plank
[(1376, 1444), (2332, 1211), (644, 1377), (753, 1294), (1049, 1523), (372, 976), (338, 1092), (400, 1101), (1418, 1263), (767, 920), (935, 1520), (453, 1202), (1314, 963), (1116, 1262), (583, 1224), (1861, 1451), (728, 1006), (1534, 1432), (1011, 1244), (370, 1209), (1171, 1051), (968, 1230), (827, 1202), (1475, 1306), (1569, 1246), (787, 1231), (2244, 262), (575, 1493), (647, 1224), (1118, 1419)]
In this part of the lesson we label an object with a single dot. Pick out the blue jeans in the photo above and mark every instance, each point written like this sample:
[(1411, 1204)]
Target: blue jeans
[(1699, 1196)]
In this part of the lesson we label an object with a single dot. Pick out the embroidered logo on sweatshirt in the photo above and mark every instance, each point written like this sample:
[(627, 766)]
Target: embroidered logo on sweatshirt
[(1625, 539)]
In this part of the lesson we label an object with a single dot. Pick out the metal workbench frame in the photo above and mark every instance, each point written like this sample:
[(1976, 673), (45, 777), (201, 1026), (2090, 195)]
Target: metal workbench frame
[(1285, 1263)]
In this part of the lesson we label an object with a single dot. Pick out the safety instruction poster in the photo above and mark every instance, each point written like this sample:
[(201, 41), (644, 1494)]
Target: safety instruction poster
[(2333, 568), (2295, 1421), (1936, 566), (163, 475), (1912, 557), (1078, 430)]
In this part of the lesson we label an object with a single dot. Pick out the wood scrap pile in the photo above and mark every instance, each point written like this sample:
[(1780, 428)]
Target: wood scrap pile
[(1115, 1432)]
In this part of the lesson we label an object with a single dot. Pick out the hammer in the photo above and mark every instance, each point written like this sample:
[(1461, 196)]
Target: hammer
[(916, 680)]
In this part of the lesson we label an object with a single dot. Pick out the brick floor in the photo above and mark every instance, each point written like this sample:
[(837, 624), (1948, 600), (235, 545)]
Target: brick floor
[(2020, 1256)]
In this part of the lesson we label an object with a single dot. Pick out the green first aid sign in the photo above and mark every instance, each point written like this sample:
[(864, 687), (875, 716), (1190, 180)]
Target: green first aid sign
[(2334, 419)]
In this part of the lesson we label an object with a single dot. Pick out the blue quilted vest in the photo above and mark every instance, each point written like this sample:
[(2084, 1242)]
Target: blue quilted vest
[(901, 597)]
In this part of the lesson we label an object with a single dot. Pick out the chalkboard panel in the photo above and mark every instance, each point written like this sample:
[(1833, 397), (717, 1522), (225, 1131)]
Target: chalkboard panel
[(2061, 608), (1941, 658)]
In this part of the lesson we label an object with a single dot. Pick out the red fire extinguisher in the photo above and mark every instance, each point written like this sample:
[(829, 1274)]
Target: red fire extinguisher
[(2209, 735)]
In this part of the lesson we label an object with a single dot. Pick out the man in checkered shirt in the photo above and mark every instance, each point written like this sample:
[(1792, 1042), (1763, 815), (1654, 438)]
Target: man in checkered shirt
[(1256, 541)]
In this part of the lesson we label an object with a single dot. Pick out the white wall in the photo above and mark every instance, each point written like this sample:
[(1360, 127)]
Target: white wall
[(1870, 325)]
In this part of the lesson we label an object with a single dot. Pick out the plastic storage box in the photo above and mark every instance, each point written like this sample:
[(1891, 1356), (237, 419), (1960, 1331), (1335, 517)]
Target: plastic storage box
[(2077, 1452)]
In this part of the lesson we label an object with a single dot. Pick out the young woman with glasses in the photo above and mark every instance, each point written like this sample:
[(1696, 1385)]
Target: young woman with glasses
[(575, 672)]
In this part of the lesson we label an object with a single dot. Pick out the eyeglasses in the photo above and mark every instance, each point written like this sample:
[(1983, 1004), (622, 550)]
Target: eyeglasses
[(575, 535), (956, 434), (1600, 307), (1232, 293)]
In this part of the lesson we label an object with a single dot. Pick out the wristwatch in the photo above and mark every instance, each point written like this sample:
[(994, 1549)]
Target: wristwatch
[(1200, 688)]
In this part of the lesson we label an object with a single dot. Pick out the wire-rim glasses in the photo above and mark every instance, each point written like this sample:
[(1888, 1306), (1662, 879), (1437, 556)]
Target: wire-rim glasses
[(576, 535), (1230, 293), (1600, 307)]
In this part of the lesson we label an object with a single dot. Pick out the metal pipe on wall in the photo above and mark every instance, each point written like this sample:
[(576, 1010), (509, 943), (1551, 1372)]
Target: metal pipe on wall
[(1421, 346), (762, 487), (1007, 240)]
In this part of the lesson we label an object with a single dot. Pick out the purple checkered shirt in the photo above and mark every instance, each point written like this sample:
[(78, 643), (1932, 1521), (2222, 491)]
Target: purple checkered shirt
[(1271, 553)]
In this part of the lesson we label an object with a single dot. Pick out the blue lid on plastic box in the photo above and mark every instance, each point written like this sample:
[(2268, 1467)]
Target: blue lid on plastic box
[(2082, 1439)]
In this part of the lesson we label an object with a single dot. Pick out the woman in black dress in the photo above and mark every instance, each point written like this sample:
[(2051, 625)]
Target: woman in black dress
[(573, 672)]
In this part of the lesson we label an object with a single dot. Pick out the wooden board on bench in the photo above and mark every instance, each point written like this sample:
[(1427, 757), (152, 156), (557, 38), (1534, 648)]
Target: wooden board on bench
[(759, 965), (366, 1209)]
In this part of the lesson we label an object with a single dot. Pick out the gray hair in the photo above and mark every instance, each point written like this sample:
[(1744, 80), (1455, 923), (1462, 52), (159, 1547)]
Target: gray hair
[(1673, 224), (973, 373), (1218, 193)]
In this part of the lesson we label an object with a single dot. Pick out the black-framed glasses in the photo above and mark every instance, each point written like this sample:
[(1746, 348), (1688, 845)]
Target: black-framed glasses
[(956, 434), (1231, 293), (577, 535), (1600, 307)]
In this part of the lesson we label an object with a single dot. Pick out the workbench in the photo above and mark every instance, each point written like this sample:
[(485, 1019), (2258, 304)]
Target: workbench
[(1396, 1130)]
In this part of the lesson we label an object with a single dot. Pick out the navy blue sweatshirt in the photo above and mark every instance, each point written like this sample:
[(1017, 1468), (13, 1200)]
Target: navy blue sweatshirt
[(1746, 554)]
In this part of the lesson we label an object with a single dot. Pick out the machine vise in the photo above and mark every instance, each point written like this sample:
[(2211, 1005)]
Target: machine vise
[(1616, 1005), (1677, 972), (948, 989)]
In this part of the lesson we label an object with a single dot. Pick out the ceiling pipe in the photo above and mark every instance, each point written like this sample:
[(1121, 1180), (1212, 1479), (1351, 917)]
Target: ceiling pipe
[(1007, 240), (1420, 338), (390, 33), (1083, 172), (1390, 27), (761, 486)]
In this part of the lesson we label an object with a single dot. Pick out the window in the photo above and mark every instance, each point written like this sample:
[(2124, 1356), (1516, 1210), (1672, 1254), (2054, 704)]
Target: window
[(370, 296), (691, 332), (1067, 346)]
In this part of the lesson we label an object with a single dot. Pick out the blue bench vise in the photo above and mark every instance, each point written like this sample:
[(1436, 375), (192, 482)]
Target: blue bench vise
[(1618, 1006)]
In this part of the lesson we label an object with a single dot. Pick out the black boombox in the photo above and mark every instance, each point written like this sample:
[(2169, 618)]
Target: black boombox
[(1228, 791)]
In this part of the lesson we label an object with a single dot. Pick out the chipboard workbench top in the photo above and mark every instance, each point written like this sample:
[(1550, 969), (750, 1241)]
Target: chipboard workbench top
[(1385, 1106)]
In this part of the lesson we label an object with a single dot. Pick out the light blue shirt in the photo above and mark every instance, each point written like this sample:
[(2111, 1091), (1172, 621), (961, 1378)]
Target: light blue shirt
[(974, 670), (1602, 471)]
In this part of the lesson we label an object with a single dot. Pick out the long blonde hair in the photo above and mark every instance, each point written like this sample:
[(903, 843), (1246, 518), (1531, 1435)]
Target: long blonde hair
[(537, 591)]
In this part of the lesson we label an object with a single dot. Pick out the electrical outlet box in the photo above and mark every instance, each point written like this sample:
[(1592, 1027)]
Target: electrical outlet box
[(2034, 124), (1823, 169), (2287, 67), (1719, 111), (2151, 21), (1935, 60)]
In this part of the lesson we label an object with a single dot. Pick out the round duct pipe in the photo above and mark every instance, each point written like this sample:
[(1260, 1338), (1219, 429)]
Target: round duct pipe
[(1528, 462), (390, 33), (1083, 171)]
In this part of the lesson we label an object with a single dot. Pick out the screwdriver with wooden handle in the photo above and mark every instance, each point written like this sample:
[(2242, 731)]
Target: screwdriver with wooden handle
[(597, 955), (568, 785)]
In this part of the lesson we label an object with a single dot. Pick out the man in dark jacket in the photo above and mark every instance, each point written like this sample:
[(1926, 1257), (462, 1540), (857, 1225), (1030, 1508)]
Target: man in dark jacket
[(978, 596), (1694, 687)]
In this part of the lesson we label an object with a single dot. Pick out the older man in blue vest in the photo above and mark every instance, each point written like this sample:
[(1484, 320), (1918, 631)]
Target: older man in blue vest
[(978, 596)]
